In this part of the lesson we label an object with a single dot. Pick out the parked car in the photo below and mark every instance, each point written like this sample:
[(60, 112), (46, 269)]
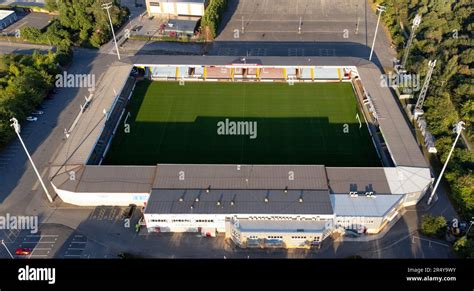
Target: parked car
[(32, 118), (351, 233), (128, 212), (23, 251), (38, 112)]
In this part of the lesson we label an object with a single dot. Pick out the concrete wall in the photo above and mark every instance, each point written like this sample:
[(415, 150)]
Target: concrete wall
[(192, 222), (102, 199), (256, 238), (174, 8), (185, 222), (370, 224)]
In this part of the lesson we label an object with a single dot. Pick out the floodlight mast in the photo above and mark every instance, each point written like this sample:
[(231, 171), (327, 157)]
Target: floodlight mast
[(107, 7), (380, 9), (424, 90), (458, 128), (416, 23), (17, 129)]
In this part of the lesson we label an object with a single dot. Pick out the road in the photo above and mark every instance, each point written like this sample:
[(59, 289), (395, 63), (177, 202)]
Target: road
[(8, 47), (99, 232)]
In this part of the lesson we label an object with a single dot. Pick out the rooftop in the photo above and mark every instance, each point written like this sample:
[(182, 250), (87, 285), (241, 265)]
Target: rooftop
[(182, 176), (106, 179), (345, 180), (218, 201), (83, 137), (377, 206)]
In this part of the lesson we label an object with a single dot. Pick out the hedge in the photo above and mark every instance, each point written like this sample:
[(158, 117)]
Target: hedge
[(212, 16)]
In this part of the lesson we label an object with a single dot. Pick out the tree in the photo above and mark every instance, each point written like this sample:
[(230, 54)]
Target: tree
[(211, 18), (433, 225), (24, 82), (464, 247), (78, 23), (51, 5)]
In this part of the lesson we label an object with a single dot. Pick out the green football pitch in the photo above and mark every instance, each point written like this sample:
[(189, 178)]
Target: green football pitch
[(242, 123)]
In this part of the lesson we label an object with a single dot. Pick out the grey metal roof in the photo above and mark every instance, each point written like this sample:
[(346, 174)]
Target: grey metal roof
[(346, 179), (83, 137), (398, 136), (227, 60), (107, 179), (248, 177), (344, 205), (244, 202)]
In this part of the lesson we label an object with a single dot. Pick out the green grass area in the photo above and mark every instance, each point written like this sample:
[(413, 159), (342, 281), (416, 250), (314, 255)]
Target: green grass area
[(299, 124)]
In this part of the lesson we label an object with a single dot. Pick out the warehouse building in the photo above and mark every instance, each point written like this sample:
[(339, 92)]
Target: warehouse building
[(7, 17), (245, 216), (173, 8)]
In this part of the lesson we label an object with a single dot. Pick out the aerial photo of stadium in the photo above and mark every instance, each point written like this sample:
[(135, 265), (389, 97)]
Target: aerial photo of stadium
[(142, 140)]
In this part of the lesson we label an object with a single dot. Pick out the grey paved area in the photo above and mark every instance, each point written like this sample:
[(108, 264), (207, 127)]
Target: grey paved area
[(8, 47), (299, 20), (323, 23)]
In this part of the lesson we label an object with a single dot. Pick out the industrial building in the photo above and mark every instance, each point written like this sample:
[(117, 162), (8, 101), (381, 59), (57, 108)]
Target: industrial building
[(253, 205), (173, 8), (7, 17)]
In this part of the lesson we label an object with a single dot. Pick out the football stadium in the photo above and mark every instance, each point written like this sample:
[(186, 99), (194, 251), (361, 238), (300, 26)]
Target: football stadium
[(269, 152)]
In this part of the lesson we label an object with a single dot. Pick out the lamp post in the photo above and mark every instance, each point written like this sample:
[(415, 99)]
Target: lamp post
[(380, 9), (357, 24), (107, 7), (16, 127), (458, 129)]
